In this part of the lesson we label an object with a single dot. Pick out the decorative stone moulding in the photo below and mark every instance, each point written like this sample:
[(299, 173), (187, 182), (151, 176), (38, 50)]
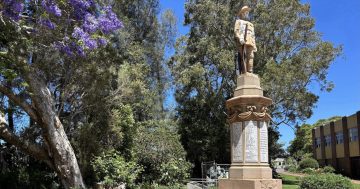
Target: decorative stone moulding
[(236, 114)]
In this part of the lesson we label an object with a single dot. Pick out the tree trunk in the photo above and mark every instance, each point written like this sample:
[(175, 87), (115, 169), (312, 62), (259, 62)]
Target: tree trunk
[(59, 148)]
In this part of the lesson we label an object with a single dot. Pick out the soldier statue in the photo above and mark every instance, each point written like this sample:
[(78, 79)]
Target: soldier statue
[(245, 41)]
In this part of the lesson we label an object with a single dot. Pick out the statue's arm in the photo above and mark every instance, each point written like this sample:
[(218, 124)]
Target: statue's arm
[(255, 49), (239, 34)]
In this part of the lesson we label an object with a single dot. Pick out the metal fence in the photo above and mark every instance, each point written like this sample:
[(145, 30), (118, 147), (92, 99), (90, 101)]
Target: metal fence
[(211, 172)]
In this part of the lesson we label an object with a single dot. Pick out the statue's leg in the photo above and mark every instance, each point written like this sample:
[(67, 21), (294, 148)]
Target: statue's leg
[(241, 61), (250, 59)]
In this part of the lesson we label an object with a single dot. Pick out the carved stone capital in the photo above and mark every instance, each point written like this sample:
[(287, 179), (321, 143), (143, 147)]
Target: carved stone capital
[(247, 113)]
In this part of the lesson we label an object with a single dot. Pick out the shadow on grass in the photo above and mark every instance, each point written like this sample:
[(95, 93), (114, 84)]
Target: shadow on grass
[(290, 180)]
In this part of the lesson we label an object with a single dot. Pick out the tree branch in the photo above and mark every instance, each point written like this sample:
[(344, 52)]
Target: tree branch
[(20, 102), (34, 150)]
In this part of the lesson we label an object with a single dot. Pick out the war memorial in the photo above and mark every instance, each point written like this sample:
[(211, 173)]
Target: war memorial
[(248, 119)]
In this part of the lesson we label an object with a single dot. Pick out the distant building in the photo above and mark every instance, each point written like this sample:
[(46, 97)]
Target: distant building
[(337, 144), (279, 163)]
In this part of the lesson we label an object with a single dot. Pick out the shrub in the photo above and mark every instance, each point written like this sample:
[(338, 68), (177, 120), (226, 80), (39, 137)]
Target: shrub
[(158, 149), (157, 186), (290, 161), (308, 163), (328, 169), (325, 181), (308, 171), (112, 170), (174, 172), (291, 168)]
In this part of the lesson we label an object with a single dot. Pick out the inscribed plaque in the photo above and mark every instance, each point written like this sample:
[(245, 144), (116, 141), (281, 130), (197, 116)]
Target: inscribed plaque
[(263, 142), (251, 141), (237, 142)]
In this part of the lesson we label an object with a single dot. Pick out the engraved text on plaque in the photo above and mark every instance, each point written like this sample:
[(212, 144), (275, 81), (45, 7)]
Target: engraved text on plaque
[(251, 132), (237, 142), (263, 142)]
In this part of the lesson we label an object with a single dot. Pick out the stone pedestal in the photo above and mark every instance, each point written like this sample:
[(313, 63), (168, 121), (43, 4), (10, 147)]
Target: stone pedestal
[(249, 120)]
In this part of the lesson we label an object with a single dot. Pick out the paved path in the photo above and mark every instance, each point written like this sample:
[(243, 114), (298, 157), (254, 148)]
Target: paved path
[(355, 181), (293, 174)]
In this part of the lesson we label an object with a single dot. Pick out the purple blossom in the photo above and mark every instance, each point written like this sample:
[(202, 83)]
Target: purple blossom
[(80, 50), (79, 33), (81, 8), (109, 22), (94, 21), (70, 49), (84, 37), (64, 48), (91, 44), (90, 24), (47, 23), (67, 50), (102, 41), (51, 7), (13, 9), (81, 4)]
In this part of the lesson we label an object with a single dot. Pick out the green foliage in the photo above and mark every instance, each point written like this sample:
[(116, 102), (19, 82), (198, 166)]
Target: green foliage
[(308, 170), (122, 130), (19, 171), (302, 142), (174, 172), (113, 130), (325, 121), (276, 148), (159, 151), (308, 163), (291, 164), (325, 181), (328, 169), (290, 161), (292, 169), (112, 170)]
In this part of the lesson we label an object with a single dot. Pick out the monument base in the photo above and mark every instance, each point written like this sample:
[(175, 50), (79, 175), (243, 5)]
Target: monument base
[(250, 184), (250, 172)]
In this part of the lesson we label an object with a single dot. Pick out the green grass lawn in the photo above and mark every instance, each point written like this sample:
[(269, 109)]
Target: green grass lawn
[(356, 186), (290, 182)]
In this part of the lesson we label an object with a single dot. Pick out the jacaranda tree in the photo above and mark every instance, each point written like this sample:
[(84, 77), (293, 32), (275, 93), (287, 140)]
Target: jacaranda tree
[(38, 38)]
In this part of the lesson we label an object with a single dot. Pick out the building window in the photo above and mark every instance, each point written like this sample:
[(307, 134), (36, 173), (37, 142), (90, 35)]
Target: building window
[(339, 138), (353, 134), (318, 142), (327, 140)]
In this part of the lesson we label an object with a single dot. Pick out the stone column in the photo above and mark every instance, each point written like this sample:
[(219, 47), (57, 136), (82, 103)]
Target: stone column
[(346, 144), (333, 145), (322, 147), (249, 121)]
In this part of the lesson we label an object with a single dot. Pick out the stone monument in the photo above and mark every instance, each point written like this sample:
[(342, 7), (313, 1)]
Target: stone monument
[(248, 119)]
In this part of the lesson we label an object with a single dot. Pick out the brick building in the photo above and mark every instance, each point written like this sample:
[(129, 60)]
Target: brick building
[(337, 144)]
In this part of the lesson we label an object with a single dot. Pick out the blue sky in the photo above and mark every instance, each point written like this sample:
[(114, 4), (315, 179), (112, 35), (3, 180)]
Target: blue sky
[(339, 23)]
